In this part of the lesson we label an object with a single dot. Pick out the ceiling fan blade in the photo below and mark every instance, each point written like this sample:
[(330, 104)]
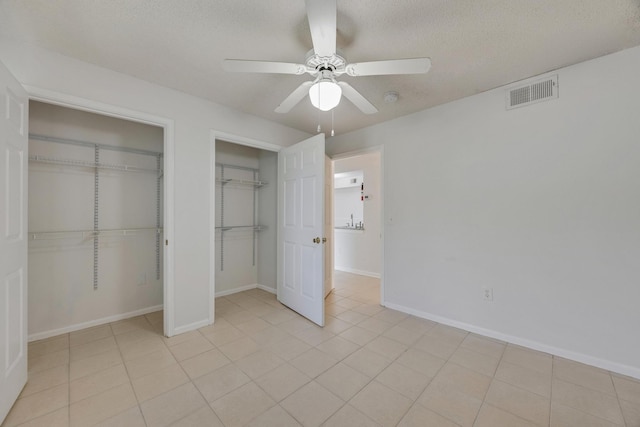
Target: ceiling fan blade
[(322, 23), (357, 99), (394, 66), (246, 66), (294, 98)]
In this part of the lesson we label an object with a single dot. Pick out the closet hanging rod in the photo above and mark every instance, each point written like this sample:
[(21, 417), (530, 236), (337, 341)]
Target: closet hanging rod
[(232, 227), (93, 145), (50, 235), (244, 168), (84, 163), (241, 182)]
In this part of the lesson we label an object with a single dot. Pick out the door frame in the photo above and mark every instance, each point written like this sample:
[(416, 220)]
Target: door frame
[(77, 103), (355, 153), (234, 139)]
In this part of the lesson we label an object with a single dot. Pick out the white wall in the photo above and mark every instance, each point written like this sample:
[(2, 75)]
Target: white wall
[(539, 203), (267, 216), (61, 293), (358, 251), (193, 119), (348, 206)]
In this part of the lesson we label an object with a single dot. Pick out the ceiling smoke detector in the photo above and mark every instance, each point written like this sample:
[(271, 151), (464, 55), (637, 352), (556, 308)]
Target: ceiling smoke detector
[(390, 97)]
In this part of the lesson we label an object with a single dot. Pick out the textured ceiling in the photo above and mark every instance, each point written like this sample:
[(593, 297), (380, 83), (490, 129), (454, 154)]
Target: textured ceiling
[(474, 45)]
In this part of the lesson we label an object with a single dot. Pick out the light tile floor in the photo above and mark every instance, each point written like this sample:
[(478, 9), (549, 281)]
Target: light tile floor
[(263, 365)]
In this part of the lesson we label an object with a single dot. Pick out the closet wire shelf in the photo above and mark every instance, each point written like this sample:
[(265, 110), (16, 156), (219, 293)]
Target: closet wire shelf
[(242, 227), (254, 184), (88, 234), (86, 164), (96, 165)]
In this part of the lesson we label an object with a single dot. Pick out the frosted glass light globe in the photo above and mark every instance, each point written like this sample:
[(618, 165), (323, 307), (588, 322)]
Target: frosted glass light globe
[(325, 95)]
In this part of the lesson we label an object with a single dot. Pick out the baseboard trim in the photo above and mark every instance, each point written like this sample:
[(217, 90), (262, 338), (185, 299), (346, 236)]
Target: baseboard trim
[(245, 288), (267, 289), (91, 323), (360, 272), (190, 327), (235, 290), (608, 365)]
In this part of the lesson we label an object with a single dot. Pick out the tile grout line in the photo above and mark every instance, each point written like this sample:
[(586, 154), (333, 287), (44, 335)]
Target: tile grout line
[(393, 360), (46, 389), (553, 367), (434, 376), (128, 375), (190, 380), (588, 389), (617, 398), (69, 383)]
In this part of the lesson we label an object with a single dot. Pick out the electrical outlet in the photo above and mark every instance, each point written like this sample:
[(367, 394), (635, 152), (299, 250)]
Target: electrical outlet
[(488, 294)]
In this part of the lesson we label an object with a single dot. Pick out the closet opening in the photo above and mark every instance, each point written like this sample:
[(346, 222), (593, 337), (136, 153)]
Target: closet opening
[(96, 220), (245, 211)]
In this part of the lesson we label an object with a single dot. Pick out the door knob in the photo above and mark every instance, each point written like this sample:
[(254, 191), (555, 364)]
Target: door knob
[(316, 240)]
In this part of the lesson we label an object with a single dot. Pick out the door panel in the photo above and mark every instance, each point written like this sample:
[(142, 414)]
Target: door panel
[(328, 226), (289, 266), (309, 202), (14, 188), (13, 245), (14, 286), (301, 228), (307, 267), (289, 207)]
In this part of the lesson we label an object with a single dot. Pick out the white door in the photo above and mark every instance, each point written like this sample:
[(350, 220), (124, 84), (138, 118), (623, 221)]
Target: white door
[(301, 228), (328, 226), (13, 239)]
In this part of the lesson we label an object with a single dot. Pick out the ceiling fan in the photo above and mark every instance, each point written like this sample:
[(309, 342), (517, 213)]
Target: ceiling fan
[(323, 63)]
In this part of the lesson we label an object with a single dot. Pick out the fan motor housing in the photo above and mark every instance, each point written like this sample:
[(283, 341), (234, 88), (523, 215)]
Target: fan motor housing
[(327, 63)]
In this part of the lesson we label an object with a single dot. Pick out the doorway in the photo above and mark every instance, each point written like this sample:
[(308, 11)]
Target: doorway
[(245, 218), (358, 226)]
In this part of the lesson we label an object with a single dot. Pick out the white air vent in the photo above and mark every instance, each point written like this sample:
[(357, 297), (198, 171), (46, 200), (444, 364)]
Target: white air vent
[(540, 90)]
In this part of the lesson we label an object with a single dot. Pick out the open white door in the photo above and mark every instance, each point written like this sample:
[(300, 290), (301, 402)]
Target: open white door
[(301, 228), (328, 225), (13, 239)]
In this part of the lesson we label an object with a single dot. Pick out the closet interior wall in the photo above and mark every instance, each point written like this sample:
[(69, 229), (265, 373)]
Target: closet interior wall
[(245, 218), (92, 260)]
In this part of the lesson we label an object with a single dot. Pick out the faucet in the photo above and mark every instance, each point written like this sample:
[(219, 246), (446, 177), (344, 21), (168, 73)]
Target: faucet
[(352, 220)]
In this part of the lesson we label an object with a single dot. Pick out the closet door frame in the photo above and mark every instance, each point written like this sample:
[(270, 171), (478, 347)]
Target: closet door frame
[(56, 98)]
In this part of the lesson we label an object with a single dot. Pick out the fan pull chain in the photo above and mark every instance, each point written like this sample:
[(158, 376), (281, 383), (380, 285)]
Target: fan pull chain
[(319, 128), (333, 133)]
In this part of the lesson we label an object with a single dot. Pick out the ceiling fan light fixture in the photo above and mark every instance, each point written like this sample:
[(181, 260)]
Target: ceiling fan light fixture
[(325, 94)]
